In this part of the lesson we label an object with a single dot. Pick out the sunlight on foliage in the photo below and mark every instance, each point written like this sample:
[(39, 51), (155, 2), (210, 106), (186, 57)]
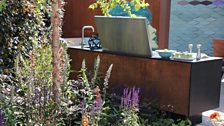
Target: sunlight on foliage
[(107, 5), (2, 4)]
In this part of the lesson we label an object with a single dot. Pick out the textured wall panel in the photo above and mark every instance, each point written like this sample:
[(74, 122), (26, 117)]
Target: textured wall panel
[(196, 21)]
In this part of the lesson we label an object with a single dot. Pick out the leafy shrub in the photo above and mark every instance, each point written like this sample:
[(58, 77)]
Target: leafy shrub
[(29, 101), (88, 96), (23, 23)]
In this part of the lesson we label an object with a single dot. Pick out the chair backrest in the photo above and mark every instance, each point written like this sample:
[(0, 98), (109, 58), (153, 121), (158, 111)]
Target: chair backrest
[(218, 45)]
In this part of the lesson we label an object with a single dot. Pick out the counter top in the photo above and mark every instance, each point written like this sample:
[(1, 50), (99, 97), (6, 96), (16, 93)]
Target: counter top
[(86, 48)]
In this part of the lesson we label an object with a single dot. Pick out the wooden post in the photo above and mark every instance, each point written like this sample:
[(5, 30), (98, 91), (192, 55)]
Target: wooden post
[(164, 24)]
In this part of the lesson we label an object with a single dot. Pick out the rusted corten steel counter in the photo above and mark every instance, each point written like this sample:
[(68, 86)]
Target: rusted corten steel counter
[(190, 87)]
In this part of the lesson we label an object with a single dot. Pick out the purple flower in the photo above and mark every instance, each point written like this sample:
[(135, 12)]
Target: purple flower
[(75, 82), (49, 93), (35, 98), (135, 98), (45, 95), (83, 103), (83, 107), (122, 101), (92, 110), (125, 97), (39, 100), (130, 97), (99, 102), (2, 119)]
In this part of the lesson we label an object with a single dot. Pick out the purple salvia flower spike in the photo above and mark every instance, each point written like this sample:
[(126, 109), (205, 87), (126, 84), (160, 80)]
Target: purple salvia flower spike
[(136, 98), (92, 110), (35, 98), (126, 92), (45, 95), (2, 119), (133, 89), (36, 94), (83, 104), (122, 101), (83, 107), (131, 101), (133, 97), (40, 104), (129, 97), (49, 93), (99, 102), (125, 97), (40, 95)]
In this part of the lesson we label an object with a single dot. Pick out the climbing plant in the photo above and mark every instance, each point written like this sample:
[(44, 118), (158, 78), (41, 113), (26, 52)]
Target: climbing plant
[(23, 23)]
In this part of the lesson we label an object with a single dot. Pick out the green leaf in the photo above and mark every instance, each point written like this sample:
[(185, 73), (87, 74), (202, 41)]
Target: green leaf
[(137, 7), (2, 5)]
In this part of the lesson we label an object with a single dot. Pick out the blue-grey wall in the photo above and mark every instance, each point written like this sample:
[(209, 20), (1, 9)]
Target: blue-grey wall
[(196, 21)]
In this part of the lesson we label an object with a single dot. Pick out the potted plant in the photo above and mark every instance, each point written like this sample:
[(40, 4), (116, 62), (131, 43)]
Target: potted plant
[(130, 8), (107, 5)]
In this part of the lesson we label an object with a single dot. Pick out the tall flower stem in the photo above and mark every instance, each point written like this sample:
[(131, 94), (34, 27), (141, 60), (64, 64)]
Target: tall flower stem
[(56, 30), (56, 34)]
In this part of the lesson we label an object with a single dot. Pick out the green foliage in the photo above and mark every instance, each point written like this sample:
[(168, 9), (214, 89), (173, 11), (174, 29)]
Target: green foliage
[(88, 93), (29, 101), (152, 115), (23, 24), (106, 5), (171, 122), (130, 117), (2, 4)]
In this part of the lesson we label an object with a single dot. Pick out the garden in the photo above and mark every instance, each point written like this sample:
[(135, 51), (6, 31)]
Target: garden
[(35, 88)]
